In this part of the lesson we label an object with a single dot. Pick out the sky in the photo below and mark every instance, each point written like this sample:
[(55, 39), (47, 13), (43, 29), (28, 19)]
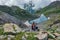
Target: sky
[(20, 3)]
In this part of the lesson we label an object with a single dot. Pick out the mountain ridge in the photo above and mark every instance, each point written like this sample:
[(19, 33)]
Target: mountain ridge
[(17, 12), (54, 7)]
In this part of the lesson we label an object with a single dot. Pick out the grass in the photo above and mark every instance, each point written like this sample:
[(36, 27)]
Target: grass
[(1, 31), (30, 36), (18, 36)]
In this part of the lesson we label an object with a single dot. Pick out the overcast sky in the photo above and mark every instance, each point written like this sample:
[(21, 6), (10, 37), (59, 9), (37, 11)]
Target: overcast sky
[(38, 3)]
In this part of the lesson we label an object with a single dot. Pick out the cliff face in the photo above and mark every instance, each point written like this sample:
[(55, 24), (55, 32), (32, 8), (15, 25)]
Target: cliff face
[(6, 18)]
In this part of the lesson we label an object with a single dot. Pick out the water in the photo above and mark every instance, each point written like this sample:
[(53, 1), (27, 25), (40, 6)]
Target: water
[(42, 18)]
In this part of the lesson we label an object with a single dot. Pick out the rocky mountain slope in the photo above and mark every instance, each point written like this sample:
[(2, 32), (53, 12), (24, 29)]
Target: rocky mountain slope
[(17, 12), (6, 18), (15, 15), (52, 11), (52, 8)]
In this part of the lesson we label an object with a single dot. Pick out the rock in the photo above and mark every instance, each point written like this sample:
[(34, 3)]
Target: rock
[(58, 38), (42, 36), (8, 38), (7, 18), (11, 36), (26, 35), (11, 27), (53, 36), (24, 38), (57, 34), (8, 27), (27, 24), (2, 36), (17, 28)]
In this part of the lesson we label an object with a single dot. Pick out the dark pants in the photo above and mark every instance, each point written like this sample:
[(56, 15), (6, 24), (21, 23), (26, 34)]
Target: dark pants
[(34, 28)]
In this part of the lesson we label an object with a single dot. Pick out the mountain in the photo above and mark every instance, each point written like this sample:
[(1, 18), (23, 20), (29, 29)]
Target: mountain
[(14, 15), (17, 12), (52, 11), (6, 18), (52, 8)]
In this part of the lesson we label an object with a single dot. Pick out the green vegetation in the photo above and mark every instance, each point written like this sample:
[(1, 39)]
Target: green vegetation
[(17, 12), (30, 36), (1, 31), (53, 8), (19, 36)]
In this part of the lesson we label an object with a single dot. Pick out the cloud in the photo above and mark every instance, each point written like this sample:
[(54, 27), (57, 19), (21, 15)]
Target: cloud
[(53, 0), (38, 3)]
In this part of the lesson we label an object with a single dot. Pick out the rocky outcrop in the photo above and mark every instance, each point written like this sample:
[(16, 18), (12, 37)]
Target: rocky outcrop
[(55, 22), (10, 27), (6, 18)]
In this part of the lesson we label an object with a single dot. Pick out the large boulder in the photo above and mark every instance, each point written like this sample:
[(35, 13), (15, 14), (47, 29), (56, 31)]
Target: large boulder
[(42, 35), (10, 27)]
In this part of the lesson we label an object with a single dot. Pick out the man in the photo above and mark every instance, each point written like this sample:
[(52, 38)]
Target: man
[(33, 26)]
